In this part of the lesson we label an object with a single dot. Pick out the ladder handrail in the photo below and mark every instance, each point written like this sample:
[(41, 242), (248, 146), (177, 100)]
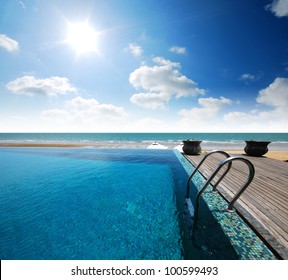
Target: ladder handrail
[(240, 191), (247, 183), (198, 166)]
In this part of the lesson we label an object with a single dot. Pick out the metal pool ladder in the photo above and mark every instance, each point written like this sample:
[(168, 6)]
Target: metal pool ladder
[(228, 161)]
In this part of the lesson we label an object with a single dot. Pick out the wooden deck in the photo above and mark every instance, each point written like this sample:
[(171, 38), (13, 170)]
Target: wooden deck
[(264, 204)]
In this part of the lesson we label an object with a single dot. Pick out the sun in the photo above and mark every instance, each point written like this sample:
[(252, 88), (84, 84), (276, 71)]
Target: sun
[(82, 37)]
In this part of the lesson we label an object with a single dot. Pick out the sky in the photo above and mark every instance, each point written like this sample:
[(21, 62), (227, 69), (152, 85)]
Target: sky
[(144, 66)]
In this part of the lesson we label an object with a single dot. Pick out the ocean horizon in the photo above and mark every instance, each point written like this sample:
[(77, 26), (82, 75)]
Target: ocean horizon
[(226, 141)]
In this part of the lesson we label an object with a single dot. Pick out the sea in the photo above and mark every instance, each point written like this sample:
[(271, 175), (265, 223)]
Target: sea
[(210, 141)]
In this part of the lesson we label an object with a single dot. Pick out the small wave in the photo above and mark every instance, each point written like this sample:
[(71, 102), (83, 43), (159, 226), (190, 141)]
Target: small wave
[(223, 142)]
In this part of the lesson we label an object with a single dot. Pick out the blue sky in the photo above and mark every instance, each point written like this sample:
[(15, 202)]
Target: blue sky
[(144, 66)]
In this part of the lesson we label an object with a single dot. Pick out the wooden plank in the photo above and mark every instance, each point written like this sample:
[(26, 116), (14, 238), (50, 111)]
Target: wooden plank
[(265, 202), (269, 204)]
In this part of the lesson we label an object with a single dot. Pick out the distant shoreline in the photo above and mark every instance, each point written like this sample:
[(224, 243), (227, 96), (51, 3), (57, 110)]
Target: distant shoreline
[(210, 141)]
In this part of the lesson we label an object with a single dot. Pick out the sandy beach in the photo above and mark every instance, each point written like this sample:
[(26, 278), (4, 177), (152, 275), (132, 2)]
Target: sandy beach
[(275, 154), (280, 155)]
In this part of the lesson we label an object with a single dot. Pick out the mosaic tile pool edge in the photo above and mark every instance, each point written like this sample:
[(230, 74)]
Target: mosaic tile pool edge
[(245, 242)]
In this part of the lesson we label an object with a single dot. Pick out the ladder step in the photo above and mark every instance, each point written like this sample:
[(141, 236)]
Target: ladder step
[(190, 207)]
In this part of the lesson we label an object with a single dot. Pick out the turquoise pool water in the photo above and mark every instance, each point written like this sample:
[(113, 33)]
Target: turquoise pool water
[(101, 204), (87, 204)]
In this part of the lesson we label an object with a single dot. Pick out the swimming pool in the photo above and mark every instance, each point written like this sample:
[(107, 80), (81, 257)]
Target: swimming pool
[(102, 204)]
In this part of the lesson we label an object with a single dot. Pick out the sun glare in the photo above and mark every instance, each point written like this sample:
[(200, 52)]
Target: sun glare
[(82, 37)]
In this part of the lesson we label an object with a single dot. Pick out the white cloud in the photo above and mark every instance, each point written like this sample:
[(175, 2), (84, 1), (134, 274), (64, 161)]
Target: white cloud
[(214, 104), (238, 117), (135, 49), (270, 113), (247, 77), (276, 94), (210, 107), (161, 83), (59, 115), (30, 86), (91, 108), (166, 62), (86, 115), (178, 50), (8, 44), (275, 119), (279, 8), (150, 100), (255, 121)]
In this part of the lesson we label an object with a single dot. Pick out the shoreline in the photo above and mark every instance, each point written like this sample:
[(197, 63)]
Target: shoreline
[(278, 154)]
